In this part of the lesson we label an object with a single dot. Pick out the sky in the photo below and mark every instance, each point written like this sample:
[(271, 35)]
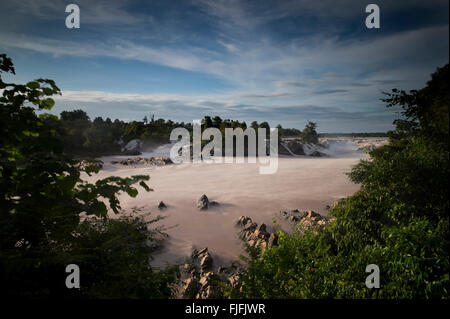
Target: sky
[(284, 62)]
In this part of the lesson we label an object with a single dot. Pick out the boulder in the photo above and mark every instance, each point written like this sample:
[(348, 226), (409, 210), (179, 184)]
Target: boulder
[(206, 262), (293, 215), (198, 253), (83, 164), (310, 218), (296, 147), (154, 161), (203, 202), (234, 280), (243, 220), (133, 147), (256, 235), (162, 205), (203, 282), (273, 240)]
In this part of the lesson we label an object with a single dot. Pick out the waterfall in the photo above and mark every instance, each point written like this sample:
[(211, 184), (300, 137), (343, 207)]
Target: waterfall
[(288, 149)]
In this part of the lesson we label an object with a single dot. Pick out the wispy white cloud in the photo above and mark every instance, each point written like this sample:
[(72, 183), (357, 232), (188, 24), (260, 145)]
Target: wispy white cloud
[(99, 12), (283, 74)]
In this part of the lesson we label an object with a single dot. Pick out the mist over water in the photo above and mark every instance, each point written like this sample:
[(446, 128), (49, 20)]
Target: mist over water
[(301, 182)]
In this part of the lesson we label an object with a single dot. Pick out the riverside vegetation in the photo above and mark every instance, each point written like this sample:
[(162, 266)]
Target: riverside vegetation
[(399, 219), (41, 199), (50, 217)]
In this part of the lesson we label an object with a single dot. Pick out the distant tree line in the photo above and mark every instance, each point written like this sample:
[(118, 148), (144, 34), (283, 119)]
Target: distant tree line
[(82, 136)]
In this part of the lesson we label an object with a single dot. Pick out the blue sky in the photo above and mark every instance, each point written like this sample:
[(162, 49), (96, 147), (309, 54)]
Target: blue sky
[(279, 61)]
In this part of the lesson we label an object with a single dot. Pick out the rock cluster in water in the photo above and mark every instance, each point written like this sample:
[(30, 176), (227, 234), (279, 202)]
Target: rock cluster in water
[(256, 235), (295, 147), (202, 281), (154, 161), (85, 163)]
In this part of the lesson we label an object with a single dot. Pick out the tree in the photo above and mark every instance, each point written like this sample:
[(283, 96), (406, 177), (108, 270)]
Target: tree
[(309, 134), (207, 122), (42, 196), (217, 121), (98, 121), (74, 115)]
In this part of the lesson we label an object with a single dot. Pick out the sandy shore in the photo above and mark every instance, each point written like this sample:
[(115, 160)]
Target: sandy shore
[(301, 182)]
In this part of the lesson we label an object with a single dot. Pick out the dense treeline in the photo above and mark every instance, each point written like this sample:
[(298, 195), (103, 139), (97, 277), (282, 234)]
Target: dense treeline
[(399, 220), (81, 136)]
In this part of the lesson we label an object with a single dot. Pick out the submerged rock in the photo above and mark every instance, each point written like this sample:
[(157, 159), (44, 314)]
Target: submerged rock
[(162, 205), (133, 147), (83, 164), (154, 161), (256, 235), (203, 202)]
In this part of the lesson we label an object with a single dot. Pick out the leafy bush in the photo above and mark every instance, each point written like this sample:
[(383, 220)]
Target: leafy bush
[(398, 220), (41, 198)]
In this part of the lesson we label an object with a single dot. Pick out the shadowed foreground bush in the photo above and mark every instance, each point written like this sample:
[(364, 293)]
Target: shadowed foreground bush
[(399, 220)]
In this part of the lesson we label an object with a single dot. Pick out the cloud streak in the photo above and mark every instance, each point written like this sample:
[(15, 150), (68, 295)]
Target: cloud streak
[(277, 58)]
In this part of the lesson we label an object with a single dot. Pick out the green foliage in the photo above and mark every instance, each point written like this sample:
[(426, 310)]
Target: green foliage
[(309, 134), (398, 220), (42, 197)]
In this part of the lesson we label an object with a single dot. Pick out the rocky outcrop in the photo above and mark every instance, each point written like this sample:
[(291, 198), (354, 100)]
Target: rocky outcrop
[(162, 205), (202, 281), (296, 147), (256, 235), (203, 203), (309, 219), (153, 161), (83, 164), (133, 147), (290, 147)]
